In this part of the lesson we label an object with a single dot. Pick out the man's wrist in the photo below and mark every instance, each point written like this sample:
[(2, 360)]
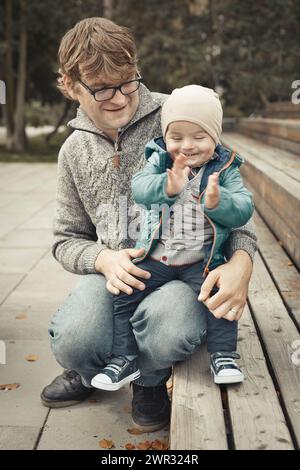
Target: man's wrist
[(100, 260), (242, 256)]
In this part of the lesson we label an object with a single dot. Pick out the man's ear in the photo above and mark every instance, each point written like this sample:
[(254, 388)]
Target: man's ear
[(70, 87)]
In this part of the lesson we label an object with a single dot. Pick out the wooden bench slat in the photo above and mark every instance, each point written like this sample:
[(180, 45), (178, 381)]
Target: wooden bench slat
[(283, 271), (276, 195), (197, 420), (286, 162), (278, 333), (257, 419), (280, 128)]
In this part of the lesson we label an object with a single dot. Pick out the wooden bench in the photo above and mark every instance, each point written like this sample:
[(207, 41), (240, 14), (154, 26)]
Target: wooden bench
[(282, 109), (281, 133), (264, 411), (273, 176)]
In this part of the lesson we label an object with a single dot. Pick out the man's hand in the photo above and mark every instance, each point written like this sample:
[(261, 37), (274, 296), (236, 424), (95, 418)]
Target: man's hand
[(177, 176), (232, 279), (120, 271), (212, 193)]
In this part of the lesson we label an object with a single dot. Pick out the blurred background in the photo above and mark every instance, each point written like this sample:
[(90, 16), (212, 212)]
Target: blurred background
[(248, 51)]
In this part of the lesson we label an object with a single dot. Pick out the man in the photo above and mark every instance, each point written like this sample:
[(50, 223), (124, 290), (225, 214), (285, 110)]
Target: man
[(117, 117)]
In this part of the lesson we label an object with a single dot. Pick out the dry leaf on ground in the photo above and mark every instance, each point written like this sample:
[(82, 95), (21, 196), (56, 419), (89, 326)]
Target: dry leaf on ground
[(9, 386), (146, 445), (129, 446), (105, 444), (160, 445), (134, 431), (31, 358), (22, 316)]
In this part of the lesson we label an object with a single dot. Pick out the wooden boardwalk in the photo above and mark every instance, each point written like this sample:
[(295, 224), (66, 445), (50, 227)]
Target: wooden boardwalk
[(32, 286), (262, 413)]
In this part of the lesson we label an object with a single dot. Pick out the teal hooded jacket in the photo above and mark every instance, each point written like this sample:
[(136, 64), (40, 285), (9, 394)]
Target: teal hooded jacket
[(234, 210)]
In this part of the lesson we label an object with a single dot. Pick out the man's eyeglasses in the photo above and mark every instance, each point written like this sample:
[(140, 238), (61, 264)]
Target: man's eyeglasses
[(107, 93)]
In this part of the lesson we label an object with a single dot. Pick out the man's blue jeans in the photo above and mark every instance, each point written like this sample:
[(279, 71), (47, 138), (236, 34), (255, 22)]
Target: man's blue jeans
[(169, 325)]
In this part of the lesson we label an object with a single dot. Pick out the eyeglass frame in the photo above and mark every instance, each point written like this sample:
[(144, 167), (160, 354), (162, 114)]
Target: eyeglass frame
[(139, 79)]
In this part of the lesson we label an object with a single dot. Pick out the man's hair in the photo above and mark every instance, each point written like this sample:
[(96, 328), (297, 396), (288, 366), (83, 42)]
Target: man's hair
[(96, 46)]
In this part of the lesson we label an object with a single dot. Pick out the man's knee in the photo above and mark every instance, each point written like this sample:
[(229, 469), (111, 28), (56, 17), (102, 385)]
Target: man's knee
[(83, 324), (170, 323)]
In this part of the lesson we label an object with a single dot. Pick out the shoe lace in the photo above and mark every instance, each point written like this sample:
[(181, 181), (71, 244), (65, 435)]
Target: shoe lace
[(227, 360)]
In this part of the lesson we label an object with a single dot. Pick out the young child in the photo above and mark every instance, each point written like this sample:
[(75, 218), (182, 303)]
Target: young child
[(188, 172)]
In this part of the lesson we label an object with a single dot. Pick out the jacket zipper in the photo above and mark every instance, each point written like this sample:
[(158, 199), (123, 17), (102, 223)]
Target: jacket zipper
[(115, 143), (206, 269)]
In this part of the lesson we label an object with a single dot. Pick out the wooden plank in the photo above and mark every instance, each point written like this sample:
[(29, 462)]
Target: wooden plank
[(286, 276), (286, 162), (278, 332), (283, 128), (197, 420), (276, 195), (281, 229), (256, 415), (288, 145)]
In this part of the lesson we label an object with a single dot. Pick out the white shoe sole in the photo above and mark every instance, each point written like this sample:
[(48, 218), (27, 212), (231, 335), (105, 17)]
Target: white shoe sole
[(228, 379), (115, 386)]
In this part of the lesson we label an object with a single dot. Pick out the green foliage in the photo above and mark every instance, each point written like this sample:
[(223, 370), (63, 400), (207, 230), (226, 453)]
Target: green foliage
[(248, 50), (38, 149)]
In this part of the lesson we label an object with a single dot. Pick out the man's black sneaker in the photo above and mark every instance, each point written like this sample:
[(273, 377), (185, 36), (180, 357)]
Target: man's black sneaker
[(150, 407), (224, 368), (65, 390), (117, 373)]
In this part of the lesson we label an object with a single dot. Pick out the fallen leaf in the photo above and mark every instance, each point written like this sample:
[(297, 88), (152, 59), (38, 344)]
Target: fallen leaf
[(160, 445), (129, 446), (105, 444), (134, 431), (290, 263), (146, 445), (127, 408), (22, 316), (170, 384), (9, 386), (31, 358)]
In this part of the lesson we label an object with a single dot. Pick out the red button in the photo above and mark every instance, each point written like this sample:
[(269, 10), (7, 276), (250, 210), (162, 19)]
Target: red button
[(164, 258)]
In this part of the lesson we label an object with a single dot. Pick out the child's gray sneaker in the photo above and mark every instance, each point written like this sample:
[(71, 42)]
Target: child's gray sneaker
[(118, 372), (224, 368)]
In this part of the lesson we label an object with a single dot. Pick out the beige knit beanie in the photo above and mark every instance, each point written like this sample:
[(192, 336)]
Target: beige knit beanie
[(197, 104)]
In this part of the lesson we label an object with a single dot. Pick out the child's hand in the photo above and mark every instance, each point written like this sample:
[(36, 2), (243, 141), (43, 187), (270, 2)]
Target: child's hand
[(177, 176), (212, 193)]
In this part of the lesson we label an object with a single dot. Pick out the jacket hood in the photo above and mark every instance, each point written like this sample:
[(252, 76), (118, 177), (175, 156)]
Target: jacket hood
[(155, 145), (149, 102)]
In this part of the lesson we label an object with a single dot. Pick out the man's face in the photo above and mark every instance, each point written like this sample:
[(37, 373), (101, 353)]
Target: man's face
[(108, 115)]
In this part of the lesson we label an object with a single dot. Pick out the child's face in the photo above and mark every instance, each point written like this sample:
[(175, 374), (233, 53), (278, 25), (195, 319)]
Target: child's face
[(191, 140)]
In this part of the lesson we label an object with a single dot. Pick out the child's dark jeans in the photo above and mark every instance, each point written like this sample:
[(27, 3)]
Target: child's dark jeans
[(221, 333)]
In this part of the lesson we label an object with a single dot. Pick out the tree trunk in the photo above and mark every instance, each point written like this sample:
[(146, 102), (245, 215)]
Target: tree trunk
[(67, 107), (108, 9), (9, 75), (19, 137)]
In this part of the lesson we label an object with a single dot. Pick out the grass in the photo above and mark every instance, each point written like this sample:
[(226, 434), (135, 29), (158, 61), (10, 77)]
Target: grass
[(38, 150)]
